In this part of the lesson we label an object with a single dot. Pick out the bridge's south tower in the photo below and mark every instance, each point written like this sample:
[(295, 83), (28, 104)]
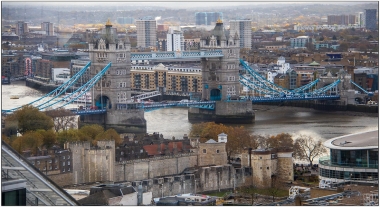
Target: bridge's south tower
[(220, 80), (221, 75), (113, 91)]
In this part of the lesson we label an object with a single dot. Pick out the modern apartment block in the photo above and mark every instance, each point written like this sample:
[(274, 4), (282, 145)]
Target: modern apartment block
[(299, 41), (359, 19), (341, 19), (370, 19), (244, 30), (175, 40), (21, 28), (48, 28), (207, 18), (146, 32), (171, 80)]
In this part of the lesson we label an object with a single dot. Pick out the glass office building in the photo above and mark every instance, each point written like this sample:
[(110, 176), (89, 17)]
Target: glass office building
[(353, 157)]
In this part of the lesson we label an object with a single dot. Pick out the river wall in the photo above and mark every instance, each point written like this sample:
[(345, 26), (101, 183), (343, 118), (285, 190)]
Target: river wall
[(325, 106)]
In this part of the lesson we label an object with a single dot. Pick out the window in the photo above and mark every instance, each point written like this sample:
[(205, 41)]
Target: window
[(267, 168), (38, 162), (217, 151), (261, 158), (68, 156), (63, 157), (50, 161), (68, 170), (63, 163), (50, 167), (63, 170), (68, 162), (204, 150)]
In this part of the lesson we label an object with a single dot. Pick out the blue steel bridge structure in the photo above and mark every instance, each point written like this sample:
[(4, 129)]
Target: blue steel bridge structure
[(268, 91)]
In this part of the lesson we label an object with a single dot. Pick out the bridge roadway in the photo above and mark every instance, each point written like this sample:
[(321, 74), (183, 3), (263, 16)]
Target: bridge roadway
[(175, 54), (210, 105)]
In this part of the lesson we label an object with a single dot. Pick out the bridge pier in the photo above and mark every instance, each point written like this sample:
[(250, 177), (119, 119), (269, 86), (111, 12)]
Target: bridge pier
[(122, 120), (239, 112)]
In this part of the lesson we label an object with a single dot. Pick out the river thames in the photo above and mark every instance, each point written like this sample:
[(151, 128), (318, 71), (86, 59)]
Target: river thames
[(269, 120)]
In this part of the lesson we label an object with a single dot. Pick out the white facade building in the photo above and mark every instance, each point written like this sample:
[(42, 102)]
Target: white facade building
[(282, 66), (146, 32), (60, 75), (244, 30), (333, 28), (175, 40)]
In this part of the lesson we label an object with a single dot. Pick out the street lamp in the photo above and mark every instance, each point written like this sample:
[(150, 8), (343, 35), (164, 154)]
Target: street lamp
[(195, 186), (219, 181)]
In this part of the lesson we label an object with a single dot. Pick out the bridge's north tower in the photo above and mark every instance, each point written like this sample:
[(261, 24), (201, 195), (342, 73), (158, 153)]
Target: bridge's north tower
[(113, 91), (220, 80)]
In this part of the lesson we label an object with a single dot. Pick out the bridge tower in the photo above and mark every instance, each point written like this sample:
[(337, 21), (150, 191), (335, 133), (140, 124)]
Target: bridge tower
[(113, 91), (220, 80)]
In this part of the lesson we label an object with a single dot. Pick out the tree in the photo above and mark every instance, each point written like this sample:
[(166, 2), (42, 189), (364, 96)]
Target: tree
[(49, 138), (276, 187), (62, 119), (29, 118), (92, 130), (31, 140), (6, 139), (308, 148), (110, 134), (70, 135), (249, 188), (283, 140)]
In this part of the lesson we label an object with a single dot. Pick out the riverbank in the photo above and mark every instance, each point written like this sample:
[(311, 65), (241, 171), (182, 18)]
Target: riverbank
[(279, 108)]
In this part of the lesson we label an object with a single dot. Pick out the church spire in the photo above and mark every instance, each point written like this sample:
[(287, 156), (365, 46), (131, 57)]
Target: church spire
[(108, 23)]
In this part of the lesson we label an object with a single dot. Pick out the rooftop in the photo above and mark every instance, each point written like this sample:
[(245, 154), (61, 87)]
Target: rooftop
[(363, 140)]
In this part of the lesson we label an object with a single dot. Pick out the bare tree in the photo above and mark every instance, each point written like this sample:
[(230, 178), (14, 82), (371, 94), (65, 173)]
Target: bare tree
[(249, 189), (308, 148), (276, 186), (62, 118)]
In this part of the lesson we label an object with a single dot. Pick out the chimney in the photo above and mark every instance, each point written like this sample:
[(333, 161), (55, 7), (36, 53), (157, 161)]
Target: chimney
[(159, 148)]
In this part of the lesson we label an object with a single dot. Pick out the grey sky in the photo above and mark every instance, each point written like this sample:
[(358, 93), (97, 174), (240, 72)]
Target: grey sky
[(171, 4)]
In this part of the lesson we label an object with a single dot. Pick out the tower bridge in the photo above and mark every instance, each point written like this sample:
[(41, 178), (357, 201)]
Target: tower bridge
[(114, 107)]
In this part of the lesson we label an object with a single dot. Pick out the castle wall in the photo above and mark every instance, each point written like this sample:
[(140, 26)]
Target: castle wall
[(213, 178), (153, 167)]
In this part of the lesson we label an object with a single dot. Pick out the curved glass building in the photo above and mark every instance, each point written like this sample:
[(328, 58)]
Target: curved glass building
[(353, 157)]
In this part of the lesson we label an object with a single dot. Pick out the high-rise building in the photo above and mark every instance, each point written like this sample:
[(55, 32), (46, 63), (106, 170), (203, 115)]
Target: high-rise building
[(21, 28), (207, 18), (370, 19), (340, 19), (359, 19), (48, 28), (244, 30), (146, 32), (175, 40)]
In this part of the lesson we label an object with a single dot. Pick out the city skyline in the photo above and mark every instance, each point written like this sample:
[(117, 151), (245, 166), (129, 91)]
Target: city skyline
[(174, 4)]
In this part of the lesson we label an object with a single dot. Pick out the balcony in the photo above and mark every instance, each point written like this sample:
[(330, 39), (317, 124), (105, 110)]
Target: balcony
[(325, 161)]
